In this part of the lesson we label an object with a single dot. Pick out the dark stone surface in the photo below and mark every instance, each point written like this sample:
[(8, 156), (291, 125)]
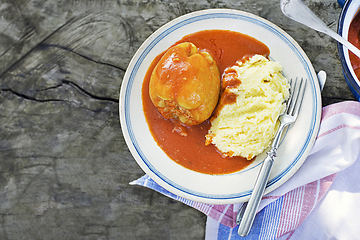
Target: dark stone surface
[(64, 165)]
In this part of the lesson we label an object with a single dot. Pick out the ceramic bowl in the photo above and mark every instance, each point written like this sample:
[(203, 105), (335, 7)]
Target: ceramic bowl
[(350, 8)]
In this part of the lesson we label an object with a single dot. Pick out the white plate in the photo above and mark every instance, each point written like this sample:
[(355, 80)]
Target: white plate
[(235, 187)]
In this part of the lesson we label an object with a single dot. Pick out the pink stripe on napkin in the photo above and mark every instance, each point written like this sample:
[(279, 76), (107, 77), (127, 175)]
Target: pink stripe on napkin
[(299, 203), (350, 107), (223, 214)]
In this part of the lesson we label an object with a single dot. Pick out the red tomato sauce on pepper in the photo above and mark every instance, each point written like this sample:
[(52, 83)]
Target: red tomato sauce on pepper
[(190, 151)]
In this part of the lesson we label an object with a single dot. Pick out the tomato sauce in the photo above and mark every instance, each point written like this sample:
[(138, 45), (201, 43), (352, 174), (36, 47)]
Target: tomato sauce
[(189, 150), (353, 37)]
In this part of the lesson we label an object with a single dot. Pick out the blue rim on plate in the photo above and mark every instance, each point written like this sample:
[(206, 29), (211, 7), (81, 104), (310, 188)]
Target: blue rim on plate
[(126, 105), (349, 78)]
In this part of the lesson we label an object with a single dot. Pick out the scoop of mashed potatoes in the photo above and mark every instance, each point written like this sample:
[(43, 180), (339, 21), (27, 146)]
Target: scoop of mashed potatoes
[(246, 126), (185, 84)]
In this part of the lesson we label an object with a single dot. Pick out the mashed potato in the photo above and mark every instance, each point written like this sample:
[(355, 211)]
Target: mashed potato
[(185, 84), (247, 126)]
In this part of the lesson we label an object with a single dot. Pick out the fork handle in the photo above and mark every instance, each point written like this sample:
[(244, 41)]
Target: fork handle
[(248, 218)]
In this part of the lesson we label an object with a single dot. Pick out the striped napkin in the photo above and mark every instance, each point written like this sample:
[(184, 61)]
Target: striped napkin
[(282, 211)]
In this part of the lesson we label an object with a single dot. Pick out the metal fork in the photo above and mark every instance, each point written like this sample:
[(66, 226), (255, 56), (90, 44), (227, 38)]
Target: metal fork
[(247, 212)]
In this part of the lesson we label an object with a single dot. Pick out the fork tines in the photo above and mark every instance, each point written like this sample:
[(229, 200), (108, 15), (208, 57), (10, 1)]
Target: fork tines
[(297, 90)]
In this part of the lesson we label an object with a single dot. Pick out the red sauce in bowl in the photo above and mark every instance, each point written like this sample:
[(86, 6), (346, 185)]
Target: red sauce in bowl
[(353, 37), (190, 151)]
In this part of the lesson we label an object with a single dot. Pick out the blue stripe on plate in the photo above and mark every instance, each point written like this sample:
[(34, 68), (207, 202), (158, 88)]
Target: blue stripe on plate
[(183, 23)]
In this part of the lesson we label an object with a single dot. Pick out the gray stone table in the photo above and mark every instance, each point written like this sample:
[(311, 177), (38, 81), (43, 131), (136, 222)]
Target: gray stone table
[(64, 165)]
